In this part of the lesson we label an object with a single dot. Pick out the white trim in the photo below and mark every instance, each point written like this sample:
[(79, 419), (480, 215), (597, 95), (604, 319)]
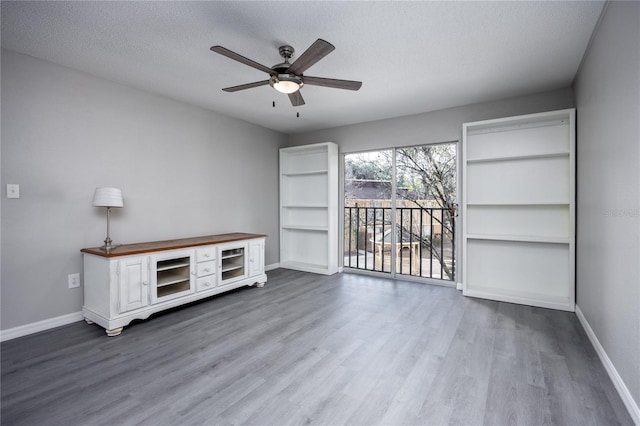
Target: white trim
[(527, 299), (35, 327), (623, 391), (272, 266), (399, 277)]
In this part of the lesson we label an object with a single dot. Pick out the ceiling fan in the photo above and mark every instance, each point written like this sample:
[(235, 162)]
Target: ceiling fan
[(288, 77)]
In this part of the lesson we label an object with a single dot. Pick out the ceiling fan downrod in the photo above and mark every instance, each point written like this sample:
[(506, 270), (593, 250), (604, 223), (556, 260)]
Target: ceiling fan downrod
[(286, 52)]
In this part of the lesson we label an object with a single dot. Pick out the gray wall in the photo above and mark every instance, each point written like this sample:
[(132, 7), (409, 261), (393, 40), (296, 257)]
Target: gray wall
[(608, 114), (184, 172), (431, 127)]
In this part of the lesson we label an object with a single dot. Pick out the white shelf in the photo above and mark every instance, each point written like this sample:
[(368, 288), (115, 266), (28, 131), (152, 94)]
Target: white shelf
[(523, 238), (518, 157), (543, 221), (307, 227), (306, 267), (309, 206), (540, 203), (231, 256), (180, 263), (306, 173), (169, 278), (231, 268)]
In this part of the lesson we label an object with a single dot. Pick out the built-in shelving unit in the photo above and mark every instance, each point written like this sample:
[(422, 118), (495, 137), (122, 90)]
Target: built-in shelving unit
[(519, 209), (309, 208)]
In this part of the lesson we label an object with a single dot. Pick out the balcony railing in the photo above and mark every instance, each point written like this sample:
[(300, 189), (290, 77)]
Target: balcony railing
[(424, 240)]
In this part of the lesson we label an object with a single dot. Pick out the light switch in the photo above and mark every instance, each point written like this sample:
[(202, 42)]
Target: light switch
[(13, 190)]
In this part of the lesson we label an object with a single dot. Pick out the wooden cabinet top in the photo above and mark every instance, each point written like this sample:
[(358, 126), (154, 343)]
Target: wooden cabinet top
[(129, 249)]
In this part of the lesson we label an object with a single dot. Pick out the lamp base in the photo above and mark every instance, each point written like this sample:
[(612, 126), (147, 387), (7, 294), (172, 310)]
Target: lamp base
[(108, 245)]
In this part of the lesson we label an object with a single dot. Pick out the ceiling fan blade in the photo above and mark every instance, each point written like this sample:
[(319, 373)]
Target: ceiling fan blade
[(332, 82), (296, 98), (236, 57), (246, 86), (318, 50)]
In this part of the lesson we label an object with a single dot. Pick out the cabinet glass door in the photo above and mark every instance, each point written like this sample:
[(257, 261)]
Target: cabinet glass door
[(173, 275), (233, 263)]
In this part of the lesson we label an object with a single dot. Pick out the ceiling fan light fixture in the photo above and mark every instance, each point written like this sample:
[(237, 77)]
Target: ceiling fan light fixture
[(286, 83)]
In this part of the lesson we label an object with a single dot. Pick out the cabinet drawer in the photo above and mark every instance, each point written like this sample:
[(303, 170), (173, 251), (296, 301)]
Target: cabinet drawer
[(206, 268), (206, 283), (205, 254)]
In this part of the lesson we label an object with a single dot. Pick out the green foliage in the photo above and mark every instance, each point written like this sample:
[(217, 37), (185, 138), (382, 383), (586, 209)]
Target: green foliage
[(430, 171), (367, 167), (425, 172)]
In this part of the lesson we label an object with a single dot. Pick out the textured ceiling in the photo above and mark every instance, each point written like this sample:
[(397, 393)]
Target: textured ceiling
[(412, 57)]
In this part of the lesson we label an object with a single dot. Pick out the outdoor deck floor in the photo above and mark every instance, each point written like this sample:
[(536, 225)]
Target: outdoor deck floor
[(365, 261)]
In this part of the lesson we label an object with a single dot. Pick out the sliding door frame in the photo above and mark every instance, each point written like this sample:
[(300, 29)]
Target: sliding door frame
[(393, 274)]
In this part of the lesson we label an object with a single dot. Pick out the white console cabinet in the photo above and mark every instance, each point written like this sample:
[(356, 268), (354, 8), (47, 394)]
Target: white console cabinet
[(134, 281)]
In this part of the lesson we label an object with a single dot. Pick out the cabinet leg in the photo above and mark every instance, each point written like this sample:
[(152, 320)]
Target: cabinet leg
[(260, 284), (88, 321), (114, 332)]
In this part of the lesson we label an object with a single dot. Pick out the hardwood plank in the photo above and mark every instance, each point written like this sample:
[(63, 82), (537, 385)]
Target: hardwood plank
[(314, 349)]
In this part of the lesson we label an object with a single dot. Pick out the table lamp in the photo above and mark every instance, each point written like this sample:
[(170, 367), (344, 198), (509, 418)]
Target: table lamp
[(107, 197)]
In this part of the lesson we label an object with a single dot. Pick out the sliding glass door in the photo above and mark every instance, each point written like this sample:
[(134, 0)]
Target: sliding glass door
[(368, 193), (399, 211)]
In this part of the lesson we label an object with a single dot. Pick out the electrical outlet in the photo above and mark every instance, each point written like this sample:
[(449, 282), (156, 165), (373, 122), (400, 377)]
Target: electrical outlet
[(13, 190), (74, 280)]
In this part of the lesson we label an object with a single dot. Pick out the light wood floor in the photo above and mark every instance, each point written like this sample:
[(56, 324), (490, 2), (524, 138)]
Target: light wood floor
[(310, 349)]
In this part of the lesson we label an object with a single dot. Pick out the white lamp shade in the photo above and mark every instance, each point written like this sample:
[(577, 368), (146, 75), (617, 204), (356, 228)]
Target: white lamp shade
[(107, 197)]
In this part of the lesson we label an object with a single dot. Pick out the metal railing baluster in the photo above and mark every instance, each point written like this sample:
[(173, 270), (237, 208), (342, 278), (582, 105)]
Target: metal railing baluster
[(369, 215)]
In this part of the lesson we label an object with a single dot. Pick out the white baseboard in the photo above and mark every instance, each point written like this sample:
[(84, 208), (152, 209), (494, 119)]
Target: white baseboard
[(271, 267), (632, 406), (35, 327)]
